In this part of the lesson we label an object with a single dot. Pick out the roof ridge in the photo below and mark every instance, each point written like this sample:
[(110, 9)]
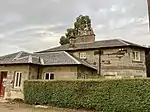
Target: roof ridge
[(72, 57), (21, 58), (41, 51), (30, 59), (122, 41), (18, 55), (41, 60), (96, 41), (96, 44)]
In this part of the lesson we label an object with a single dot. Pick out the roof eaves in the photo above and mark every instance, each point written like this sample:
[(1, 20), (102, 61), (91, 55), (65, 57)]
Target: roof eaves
[(88, 65)]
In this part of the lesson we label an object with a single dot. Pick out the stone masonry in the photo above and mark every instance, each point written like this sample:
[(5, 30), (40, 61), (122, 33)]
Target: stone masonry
[(116, 61)]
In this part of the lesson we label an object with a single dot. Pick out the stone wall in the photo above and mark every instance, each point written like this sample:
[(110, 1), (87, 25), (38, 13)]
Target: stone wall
[(86, 73), (30, 72), (34, 70), (61, 72), (116, 61), (10, 91), (92, 57), (85, 38)]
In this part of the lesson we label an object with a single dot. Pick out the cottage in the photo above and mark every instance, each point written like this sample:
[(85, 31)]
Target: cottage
[(112, 58), (20, 66), (83, 58)]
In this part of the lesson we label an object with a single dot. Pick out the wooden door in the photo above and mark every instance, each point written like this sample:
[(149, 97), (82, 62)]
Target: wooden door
[(3, 76)]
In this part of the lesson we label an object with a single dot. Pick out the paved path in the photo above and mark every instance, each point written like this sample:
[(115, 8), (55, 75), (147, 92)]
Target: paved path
[(4, 107), (14, 107)]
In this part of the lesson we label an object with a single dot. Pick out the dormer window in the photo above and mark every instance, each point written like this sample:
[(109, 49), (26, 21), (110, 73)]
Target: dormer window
[(83, 55), (136, 56)]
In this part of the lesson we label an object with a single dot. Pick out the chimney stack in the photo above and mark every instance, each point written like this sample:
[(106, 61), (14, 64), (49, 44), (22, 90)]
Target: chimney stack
[(72, 42), (86, 36)]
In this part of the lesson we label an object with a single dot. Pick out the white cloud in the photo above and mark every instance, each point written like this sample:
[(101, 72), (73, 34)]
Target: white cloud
[(114, 8), (33, 25), (100, 26), (103, 10), (41, 29), (123, 10), (1, 36)]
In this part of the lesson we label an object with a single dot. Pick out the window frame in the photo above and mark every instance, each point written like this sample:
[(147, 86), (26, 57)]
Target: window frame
[(82, 55), (17, 79), (49, 73), (136, 53)]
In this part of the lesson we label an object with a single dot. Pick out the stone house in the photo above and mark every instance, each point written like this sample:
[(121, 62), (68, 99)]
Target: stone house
[(82, 58), (112, 58), (20, 66)]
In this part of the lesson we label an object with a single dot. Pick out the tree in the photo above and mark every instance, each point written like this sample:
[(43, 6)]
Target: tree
[(81, 25), (70, 32), (64, 40)]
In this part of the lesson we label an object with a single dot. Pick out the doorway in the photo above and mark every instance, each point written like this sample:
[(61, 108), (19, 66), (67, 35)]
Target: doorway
[(3, 77)]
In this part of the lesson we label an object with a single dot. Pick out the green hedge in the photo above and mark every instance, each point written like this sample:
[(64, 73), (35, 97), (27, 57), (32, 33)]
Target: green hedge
[(126, 95)]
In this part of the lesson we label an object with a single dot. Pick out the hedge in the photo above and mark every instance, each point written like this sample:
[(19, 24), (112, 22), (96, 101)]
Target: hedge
[(126, 95)]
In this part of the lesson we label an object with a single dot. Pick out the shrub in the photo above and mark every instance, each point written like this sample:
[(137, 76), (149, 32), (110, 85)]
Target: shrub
[(126, 95)]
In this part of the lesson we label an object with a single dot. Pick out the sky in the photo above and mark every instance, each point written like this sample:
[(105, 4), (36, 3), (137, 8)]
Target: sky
[(34, 25)]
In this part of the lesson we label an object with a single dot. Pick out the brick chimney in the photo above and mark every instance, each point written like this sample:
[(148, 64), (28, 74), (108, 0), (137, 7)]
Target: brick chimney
[(86, 36)]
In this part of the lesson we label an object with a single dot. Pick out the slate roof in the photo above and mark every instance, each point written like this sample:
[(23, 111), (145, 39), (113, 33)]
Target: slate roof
[(19, 58), (94, 45), (62, 58), (51, 58)]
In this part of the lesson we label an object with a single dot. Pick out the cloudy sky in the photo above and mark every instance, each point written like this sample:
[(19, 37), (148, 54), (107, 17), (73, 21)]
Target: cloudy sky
[(33, 25)]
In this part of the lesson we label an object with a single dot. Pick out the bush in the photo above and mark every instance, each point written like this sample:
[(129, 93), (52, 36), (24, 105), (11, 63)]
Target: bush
[(126, 95)]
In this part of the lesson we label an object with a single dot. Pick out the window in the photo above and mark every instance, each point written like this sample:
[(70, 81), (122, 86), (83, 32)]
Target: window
[(49, 76), (17, 79), (136, 56), (82, 55)]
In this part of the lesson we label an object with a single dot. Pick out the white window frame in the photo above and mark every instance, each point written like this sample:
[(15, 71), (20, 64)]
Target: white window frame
[(49, 75), (137, 54), (17, 82), (83, 55)]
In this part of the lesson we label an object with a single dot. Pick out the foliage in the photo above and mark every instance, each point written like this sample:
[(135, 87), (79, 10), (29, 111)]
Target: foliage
[(81, 24), (64, 40), (126, 95)]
